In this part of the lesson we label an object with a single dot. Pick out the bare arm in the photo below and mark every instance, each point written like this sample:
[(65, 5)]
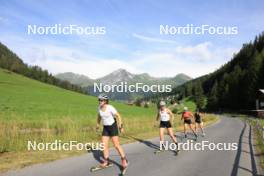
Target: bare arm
[(119, 120), (171, 115)]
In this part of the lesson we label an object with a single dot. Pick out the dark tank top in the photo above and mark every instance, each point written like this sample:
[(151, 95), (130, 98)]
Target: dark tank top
[(197, 117)]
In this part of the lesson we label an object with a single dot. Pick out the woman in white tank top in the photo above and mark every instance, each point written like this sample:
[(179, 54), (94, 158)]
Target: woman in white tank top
[(111, 122), (165, 116)]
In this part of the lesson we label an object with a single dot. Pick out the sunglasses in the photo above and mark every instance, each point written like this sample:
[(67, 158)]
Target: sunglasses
[(100, 100)]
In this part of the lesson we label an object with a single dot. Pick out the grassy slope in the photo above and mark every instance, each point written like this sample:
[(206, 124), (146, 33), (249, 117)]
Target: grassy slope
[(29, 99), (188, 102), (31, 110)]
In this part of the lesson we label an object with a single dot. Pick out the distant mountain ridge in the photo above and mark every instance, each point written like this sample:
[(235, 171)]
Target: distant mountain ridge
[(122, 75), (76, 79)]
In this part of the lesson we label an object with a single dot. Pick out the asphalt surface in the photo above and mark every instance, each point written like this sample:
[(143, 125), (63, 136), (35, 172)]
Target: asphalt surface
[(143, 161)]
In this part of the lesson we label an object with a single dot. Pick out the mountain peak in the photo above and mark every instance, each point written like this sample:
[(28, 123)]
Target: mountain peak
[(119, 75), (120, 71), (182, 75)]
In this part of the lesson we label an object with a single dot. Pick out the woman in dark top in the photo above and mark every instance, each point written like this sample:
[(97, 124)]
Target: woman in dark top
[(198, 121)]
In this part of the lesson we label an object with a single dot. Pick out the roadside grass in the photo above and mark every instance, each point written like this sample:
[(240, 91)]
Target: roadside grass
[(14, 139), (259, 141), (258, 137)]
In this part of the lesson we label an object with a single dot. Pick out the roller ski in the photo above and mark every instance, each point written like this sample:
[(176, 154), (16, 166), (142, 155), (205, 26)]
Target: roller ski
[(102, 166), (124, 168), (177, 151), (158, 151), (195, 137)]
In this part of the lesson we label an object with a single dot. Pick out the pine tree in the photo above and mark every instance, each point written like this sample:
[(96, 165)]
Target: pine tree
[(199, 97), (212, 98), (251, 81)]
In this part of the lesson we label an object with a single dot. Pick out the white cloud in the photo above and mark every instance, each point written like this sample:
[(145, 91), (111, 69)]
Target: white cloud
[(59, 59), (3, 19), (169, 64), (152, 39), (199, 52), (193, 60), (93, 69)]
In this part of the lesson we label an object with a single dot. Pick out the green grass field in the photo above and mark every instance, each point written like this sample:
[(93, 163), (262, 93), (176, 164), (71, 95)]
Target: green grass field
[(31, 110), (186, 102), (29, 107)]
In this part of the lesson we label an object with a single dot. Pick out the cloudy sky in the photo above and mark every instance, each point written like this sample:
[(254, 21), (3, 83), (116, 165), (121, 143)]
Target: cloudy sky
[(132, 40)]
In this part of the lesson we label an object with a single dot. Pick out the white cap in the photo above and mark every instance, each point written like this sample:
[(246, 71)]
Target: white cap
[(103, 97), (162, 103)]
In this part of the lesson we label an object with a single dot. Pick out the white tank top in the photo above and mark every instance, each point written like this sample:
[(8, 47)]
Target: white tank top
[(164, 115), (107, 116)]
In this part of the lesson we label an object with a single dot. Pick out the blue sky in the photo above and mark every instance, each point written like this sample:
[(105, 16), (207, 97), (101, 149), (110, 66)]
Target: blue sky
[(132, 40)]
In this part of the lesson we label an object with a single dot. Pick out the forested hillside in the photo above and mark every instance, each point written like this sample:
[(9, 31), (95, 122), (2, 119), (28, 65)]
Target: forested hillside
[(234, 86)]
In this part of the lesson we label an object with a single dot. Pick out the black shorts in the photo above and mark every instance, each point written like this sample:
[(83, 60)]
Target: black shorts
[(165, 124), (188, 121), (111, 130), (198, 121)]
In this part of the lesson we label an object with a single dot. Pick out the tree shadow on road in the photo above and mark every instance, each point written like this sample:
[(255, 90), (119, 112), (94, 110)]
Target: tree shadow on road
[(236, 165), (97, 154), (146, 142)]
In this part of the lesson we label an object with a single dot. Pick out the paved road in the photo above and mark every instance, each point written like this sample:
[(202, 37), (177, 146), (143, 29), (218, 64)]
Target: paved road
[(188, 163)]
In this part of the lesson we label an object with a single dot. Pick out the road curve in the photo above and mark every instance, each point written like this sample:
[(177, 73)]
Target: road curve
[(143, 161)]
